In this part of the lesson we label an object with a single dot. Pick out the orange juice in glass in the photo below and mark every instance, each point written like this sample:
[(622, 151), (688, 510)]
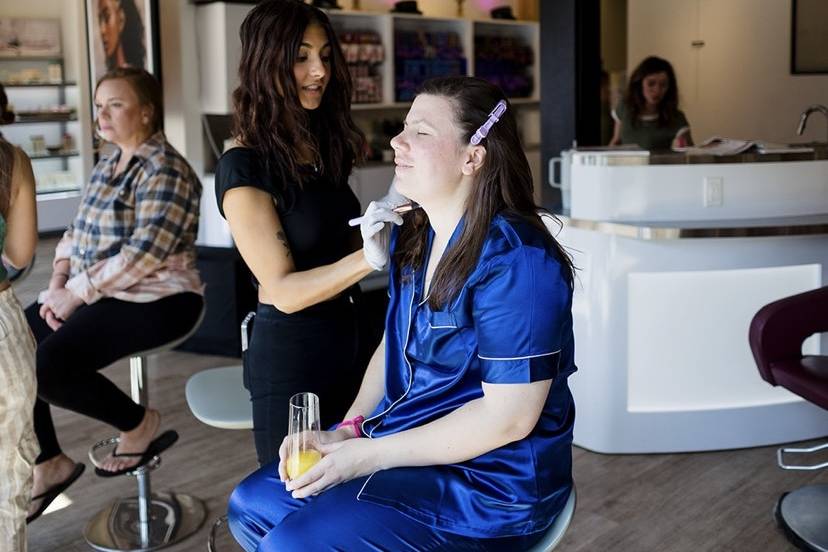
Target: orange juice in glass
[(303, 434)]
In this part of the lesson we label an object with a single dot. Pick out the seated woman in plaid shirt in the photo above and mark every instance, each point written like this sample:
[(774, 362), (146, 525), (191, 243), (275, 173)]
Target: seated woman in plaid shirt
[(124, 280)]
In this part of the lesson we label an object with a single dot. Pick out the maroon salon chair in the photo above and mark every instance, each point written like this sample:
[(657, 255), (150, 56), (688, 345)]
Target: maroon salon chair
[(776, 335)]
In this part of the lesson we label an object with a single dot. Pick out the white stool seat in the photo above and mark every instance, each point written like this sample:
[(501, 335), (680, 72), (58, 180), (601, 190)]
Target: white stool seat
[(217, 397), (556, 531)]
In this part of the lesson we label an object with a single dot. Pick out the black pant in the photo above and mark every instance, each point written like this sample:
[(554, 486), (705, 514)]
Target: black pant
[(95, 336), (312, 350)]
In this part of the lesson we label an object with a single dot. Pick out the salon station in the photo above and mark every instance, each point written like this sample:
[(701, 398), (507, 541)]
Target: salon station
[(682, 147)]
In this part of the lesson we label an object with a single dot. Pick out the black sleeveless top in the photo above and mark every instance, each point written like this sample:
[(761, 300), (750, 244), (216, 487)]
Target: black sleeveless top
[(314, 215)]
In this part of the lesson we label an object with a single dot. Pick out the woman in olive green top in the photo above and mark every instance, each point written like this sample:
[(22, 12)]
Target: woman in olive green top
[(649, 115)]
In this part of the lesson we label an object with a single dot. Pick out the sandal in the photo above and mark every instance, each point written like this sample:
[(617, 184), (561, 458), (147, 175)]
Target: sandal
[(156, 447), (53, 492)]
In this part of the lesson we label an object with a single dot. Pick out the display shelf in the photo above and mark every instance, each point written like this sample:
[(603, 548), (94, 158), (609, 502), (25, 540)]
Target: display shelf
[(59, 155), (30, 58), (39, 84), (219, 46), (348, 22), (62, 191), (508, 54), (58, 174), (46, 120)]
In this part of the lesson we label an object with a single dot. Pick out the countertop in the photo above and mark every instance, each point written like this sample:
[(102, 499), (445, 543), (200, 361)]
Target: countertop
[(727, 228), (675, 158)]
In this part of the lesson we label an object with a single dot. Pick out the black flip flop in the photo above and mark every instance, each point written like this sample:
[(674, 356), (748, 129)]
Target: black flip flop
[(52, 493), (156, 447)]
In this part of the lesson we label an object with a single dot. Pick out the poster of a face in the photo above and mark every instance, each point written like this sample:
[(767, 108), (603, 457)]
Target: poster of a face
[(120, 35)]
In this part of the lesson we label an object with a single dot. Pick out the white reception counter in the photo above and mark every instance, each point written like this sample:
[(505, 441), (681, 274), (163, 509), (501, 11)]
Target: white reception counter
[(662, 307)]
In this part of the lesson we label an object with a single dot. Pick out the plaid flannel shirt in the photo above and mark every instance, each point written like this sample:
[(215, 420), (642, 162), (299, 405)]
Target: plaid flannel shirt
[(133, 238)]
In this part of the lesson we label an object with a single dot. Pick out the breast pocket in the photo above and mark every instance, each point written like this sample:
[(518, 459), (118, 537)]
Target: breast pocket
[(441, 344), (120, 218), (442, 320)]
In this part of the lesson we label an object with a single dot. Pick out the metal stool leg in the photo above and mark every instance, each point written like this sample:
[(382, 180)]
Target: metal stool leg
[(146, 521), (211, 539)]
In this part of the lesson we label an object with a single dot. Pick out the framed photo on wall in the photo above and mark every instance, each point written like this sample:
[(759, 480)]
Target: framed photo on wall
[(122, 33), (809, 27)]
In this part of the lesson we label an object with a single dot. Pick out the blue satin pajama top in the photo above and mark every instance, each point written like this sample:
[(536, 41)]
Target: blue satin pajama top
[(510, 323)]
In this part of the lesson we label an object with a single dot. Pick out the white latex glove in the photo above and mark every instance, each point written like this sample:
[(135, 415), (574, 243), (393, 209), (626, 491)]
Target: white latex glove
[(376, 233)]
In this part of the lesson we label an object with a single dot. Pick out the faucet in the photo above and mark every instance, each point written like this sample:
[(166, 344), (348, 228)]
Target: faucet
[(803, 119)]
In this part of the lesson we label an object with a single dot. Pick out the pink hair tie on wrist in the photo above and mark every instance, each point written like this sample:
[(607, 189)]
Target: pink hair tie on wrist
[(355, 423)]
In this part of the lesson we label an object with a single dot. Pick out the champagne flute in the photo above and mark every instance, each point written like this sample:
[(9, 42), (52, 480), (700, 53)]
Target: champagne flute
[(303, 434)]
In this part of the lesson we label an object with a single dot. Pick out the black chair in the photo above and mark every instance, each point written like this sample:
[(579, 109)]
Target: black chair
[(776, 336)]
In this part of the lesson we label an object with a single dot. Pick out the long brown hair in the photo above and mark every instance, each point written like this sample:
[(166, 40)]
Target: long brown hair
[(634, 99), (503, 185), (6, 156), (268, 116)]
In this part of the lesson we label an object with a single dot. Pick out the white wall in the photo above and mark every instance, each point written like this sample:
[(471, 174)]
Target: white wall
[(739, 83), (180, 79)]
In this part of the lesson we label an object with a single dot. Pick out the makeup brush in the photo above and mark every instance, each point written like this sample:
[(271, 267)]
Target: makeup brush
[(399, 209)]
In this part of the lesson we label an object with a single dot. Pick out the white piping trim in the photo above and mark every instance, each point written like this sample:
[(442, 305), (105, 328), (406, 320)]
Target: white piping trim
[(519, 358), (440, 327), (363, 485), (410, 372)]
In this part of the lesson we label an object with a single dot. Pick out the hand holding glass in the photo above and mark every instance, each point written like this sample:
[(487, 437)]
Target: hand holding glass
[(303, 434)]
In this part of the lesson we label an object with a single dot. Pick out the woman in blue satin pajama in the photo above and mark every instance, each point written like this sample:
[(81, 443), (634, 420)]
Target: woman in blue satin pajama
[(460, 436)]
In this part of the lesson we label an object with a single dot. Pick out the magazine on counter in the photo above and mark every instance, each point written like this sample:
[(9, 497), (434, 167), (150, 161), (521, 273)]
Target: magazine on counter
[(730, 146)]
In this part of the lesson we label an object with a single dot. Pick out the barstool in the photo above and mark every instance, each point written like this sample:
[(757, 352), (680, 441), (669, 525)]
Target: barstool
[(148, 521), (218, 398), (555, 533)]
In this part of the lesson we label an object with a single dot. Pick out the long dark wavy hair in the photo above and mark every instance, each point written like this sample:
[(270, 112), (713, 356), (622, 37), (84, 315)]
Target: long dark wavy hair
[(634, 99), (6, 156), (503, 185), (268, 116), (132, 37)]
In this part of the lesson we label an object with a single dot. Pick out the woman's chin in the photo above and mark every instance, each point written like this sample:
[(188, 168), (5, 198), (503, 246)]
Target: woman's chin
[(403, 189)]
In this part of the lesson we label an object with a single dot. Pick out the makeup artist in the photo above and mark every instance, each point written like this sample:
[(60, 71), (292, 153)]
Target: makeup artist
[(284, 192)]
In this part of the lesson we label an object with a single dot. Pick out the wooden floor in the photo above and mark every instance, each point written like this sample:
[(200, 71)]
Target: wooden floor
[(718, 501)]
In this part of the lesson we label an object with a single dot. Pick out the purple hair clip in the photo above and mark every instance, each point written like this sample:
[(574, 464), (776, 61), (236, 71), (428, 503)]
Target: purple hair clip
[(484, 129)]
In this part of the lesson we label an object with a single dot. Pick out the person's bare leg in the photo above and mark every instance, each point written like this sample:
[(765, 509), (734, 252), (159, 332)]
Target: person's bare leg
[(134, 441), (48, 474)]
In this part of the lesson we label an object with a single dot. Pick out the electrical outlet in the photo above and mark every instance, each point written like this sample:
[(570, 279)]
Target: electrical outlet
[(713, 191)]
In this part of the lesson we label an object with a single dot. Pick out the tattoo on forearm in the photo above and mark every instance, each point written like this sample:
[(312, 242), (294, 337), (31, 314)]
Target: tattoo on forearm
[(282, 238)]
